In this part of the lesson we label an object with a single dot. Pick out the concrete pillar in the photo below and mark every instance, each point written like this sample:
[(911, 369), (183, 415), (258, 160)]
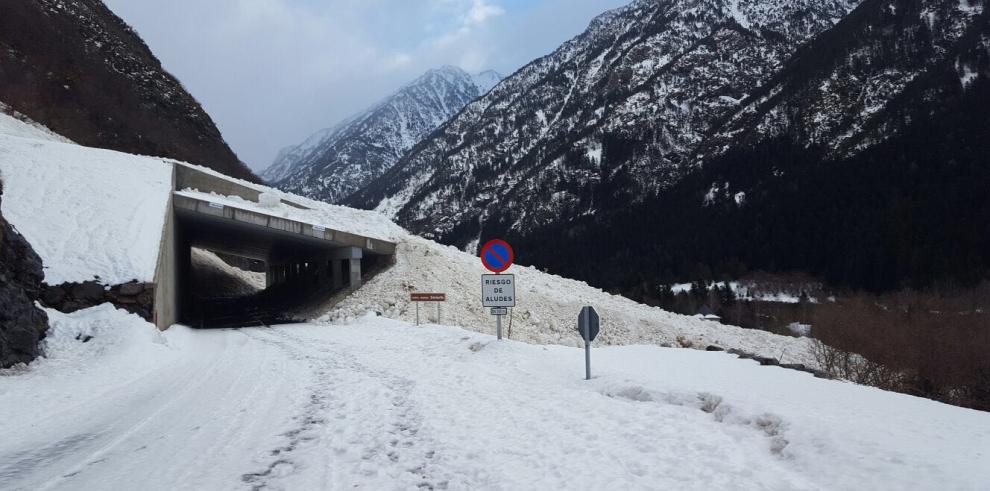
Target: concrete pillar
[(353, 255), (355, 273)]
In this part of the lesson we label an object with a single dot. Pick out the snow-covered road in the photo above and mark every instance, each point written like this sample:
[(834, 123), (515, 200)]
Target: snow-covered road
[(380, 404)]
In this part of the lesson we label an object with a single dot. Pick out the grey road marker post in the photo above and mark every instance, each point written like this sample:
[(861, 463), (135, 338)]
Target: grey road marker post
[(587, 348), (588, 327)]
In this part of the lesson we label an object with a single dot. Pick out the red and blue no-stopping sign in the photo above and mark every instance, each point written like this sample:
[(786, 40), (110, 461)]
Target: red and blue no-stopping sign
[(497, 255)]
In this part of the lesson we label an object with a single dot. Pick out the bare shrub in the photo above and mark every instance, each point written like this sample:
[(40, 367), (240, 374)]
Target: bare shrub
[(930, 344)]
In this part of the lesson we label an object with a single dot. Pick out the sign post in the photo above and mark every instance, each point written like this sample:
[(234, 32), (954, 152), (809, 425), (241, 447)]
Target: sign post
[(497, 290), (428, 297), (588, 327)]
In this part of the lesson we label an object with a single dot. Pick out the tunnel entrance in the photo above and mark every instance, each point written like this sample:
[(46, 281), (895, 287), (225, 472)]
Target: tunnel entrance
[(235, 273)]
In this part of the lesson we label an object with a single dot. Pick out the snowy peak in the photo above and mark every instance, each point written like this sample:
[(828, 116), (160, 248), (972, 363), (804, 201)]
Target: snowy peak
[(334, 162), (619, 107), (486, 80)]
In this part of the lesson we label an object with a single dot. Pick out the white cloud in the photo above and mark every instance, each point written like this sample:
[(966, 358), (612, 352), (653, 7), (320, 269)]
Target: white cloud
[(481, 11)]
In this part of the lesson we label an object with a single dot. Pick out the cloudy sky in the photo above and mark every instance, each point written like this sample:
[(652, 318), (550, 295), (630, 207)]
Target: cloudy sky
[(271, 72)]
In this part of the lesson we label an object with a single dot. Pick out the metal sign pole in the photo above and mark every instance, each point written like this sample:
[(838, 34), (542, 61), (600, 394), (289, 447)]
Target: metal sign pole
[(417, 313), (438, 312), (498, 324), (587, 346)]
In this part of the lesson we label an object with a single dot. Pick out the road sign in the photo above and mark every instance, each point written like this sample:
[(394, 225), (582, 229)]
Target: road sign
[(428, 297), (500, 311), (498, 290), (588, 323), (497, 255), (588, 327)]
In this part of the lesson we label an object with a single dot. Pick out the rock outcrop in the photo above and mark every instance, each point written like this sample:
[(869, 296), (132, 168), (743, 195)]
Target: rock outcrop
[(22, 324), (136, 298)]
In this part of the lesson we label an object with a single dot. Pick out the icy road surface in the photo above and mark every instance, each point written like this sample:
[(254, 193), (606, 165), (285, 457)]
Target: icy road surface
[(380, 404)]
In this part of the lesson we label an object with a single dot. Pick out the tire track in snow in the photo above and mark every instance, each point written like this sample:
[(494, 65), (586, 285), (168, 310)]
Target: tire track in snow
[(362, 418)]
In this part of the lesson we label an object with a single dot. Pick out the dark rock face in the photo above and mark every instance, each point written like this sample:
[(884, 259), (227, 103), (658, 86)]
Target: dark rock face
[(136, 298), (77, 68), (22, 325)]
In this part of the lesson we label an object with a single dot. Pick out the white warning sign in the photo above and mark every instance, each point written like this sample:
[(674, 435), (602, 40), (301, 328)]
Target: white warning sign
[(498, 290)]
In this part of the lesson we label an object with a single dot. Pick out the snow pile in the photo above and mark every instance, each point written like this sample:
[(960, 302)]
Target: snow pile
[(102, 331), (87, 212), (88, 353), (269, 200), (212, 274), (382, 404), (547, 307)]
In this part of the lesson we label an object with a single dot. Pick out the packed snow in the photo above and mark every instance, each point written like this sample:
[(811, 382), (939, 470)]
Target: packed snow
[(88, 213), (376, 403)]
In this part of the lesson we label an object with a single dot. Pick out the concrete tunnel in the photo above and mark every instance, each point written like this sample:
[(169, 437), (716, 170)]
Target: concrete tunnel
[(304, 265)]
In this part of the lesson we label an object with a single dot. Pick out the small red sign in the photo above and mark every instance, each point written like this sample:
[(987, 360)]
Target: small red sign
[(497, 255), (428, 297)]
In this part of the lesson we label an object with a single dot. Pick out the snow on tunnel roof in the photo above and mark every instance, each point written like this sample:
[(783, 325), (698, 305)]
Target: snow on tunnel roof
[(360, 222)]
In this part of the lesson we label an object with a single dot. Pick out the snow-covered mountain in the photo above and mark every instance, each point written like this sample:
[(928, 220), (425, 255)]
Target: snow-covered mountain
[(538, 146), (334, 162), (854, 85), (733, 115)]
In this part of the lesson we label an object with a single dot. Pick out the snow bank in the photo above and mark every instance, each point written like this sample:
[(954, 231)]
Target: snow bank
[(87, 212), (547, 307), (86, 353)]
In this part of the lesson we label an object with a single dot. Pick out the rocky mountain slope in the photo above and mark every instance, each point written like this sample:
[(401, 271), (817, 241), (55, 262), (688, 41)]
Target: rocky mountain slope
[(616, 111), (854, 86), (77, 68), (335, 162), (862, 162), (678, 139)]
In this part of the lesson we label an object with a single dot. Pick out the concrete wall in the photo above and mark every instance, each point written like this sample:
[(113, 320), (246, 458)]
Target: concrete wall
[(191, 178), (166, 282)]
